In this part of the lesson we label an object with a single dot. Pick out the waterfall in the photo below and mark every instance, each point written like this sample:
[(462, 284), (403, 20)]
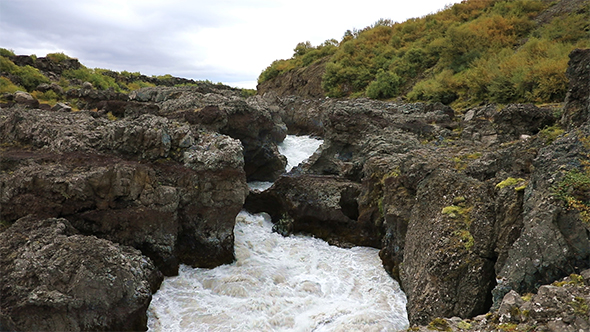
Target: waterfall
[(277, 283)]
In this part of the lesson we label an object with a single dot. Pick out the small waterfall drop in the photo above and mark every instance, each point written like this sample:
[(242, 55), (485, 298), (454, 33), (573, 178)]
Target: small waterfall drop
[(277, 283)]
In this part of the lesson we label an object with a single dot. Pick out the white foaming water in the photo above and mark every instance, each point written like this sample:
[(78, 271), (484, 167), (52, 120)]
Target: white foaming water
[(297, 149), (281, 283), (278, 283)]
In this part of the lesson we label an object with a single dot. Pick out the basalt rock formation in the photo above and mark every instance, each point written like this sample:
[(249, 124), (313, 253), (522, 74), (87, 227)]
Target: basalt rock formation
[(304, 82), (149, 182), (470, 210), (162, 185), (224, 111), (469, 207), (54, 279)]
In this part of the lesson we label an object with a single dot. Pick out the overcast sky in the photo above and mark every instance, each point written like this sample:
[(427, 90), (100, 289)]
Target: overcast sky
[(229, 41)]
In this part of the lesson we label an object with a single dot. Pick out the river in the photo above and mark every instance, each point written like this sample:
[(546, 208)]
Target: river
[(277, 283)]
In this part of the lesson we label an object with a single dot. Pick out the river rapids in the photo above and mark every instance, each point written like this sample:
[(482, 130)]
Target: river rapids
[(295, 283)]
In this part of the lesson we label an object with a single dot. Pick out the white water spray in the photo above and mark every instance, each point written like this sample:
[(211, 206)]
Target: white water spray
[(278, 283)]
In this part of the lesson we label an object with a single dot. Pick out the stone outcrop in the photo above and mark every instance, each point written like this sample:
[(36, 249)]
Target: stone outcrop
[(559, 307), (54, 279), (226, 112), (329, 211), (304, 82), (577, 107), (47, 65), (149, 182), (467, 209)]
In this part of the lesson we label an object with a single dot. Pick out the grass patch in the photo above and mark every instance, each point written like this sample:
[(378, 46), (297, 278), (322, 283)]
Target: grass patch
[(573, 190), (439, 324), (510, 182), (550, 133)]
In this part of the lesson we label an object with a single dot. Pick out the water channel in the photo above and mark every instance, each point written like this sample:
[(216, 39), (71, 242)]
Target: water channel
[(277, 283)]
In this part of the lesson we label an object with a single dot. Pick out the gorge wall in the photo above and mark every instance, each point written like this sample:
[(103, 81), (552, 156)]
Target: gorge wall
[(465, 208), (162, 171)]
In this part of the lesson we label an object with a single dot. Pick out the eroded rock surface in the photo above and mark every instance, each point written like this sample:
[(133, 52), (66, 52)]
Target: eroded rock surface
[(558, 307), (149, 182), (329, 211), (467, 208), (250, 121), (54, 279)]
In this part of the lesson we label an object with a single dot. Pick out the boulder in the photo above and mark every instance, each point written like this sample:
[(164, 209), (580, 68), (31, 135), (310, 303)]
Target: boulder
[(44, 87), (558, 307), (61, 107), (25, 99), (54, 279), (442, 273)]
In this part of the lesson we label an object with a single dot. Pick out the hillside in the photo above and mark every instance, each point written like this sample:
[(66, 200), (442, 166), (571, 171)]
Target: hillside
[(478, 50), (60, 78)]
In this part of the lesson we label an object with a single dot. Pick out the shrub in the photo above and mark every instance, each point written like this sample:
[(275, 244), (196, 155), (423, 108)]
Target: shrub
[(386, 85), (6, 53), (58, 57), (136, 85), (6, 86), (567, 29), (31, 77), (49, 96), (28, 77), (248, 93), (7, 66), (270, 72), (94, 76), (442, 88)]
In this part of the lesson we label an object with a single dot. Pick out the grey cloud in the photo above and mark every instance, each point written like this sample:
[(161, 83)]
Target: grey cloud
[(149, 46)]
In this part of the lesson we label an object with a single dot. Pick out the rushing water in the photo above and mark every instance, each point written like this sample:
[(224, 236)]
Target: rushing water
[(278, 283), (297, 149)]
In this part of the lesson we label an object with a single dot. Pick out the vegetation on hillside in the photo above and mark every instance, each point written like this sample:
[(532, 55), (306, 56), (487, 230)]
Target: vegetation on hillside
[(27, 78), (474, 51)]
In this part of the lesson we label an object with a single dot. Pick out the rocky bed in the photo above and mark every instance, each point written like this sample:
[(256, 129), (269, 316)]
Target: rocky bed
[(470, 210)]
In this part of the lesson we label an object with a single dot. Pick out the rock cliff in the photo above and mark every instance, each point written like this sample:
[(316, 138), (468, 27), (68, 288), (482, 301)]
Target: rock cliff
[(159, 175), (468, 207)]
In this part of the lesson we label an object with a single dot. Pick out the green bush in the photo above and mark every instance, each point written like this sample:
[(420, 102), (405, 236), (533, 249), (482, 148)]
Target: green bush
[(58, 57), (6, 86), (6, 53), (50, 97), (7, 66), (31, 77), (247, 93), (28, 77), (386, 85), (94, 76), (442, 88), (136, 85), (567, 29)]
